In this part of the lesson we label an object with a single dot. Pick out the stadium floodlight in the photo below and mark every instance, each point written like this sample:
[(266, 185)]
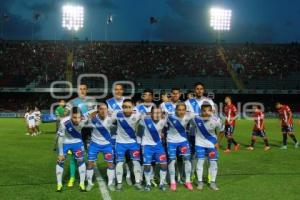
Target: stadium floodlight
[(220, 19), (72, 17)]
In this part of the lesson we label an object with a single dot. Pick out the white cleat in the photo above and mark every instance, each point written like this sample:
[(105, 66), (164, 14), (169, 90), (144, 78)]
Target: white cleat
[(297, 145)]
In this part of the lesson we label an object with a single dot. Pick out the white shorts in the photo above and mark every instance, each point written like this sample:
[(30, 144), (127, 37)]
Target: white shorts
[(31, 124)]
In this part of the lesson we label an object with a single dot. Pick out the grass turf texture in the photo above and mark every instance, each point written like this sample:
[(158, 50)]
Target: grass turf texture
[(27, 166)]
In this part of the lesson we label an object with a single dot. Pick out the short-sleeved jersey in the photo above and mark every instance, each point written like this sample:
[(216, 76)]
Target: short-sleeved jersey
[(230, 112), (168, 107), (173, 134), (143, 108), (284, 113), (114, 105), (259, 124), (63, 132), (190, 107), (133, 121), (146, 135), (37, 115), (96, 136), (30, 117), (213, 126), (85, 104)]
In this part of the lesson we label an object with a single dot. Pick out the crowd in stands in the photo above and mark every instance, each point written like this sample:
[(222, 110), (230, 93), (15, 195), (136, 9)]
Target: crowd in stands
[(45, 61)]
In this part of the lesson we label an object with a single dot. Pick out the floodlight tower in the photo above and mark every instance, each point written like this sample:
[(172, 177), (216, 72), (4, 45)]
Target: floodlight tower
[(72, 20), (220, 20)]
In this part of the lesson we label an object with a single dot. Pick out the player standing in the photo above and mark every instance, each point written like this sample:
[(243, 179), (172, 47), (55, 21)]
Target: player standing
[(30, 118), (115, 105), (258, 128), (37, 114), (152, 146), (208, 126), (169, 106), (85, 104), (101, 143), (286, 117), (69, 138), (126, 141), (177, 143), (230, 112)]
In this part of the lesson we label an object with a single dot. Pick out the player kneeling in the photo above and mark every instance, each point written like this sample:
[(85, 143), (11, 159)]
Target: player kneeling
[(69, 138), (152, 146), (101, 143), (208, 126)]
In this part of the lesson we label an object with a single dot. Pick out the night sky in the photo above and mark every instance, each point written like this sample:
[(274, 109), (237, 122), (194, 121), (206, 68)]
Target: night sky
[(261, 21)]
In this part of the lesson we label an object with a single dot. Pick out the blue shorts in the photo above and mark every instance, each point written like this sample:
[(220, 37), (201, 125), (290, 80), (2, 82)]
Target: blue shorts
[(76, 148), (132, 148), (287, 129), (261, 133), (182, 148), (154, 153), (95, 148), (229, 129), (202, 152)]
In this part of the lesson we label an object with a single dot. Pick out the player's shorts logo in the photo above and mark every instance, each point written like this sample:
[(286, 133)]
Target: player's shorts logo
[(184, 149), (136, 154), (163, 157), (78, 153), (108, 156), (212, 154)]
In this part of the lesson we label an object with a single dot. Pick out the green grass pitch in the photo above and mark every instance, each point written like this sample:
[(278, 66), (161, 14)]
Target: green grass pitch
[(27, 166)]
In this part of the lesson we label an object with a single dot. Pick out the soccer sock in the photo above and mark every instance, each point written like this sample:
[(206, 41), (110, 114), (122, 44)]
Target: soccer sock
[(128, 173), (162, 176), (200, 164), (293, 138), (213, 170), (233, 141), (266, 141), (151, 172), (252, 142), (229, 140), (171, 167), (137, 171), (187, 170), (59, 171), (89, 175), (82, 171), (194, 164), (147, 173), (72, 166), (284, 139), (111, 175), (119, 172)]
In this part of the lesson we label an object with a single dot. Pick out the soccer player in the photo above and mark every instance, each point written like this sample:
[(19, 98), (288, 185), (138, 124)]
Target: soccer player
[(69, 138), (194, 106), (126, 141), (25, 119), (258, 128), (37, 114), (101, 143), (30, 118), (208, 126), (152, 146), (230, 112), (60, 112), (177, 143), (147, 104), (169, 107), (286, 117), (115, 105), (85, 104)]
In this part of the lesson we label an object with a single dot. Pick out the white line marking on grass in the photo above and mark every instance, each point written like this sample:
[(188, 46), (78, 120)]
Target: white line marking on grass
[(102, 185)]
